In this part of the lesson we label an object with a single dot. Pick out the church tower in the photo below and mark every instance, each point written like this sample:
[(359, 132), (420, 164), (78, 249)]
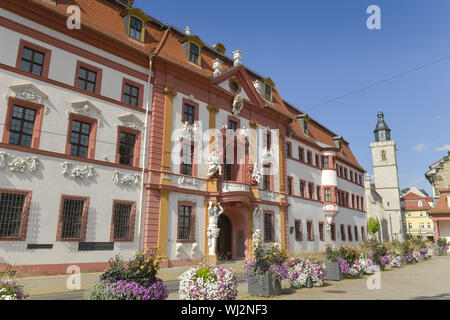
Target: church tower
[(386, 177)]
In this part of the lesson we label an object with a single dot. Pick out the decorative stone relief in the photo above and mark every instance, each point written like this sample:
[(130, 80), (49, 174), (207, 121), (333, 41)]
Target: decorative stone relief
[(167, 177), (18, 164), (131, 121), (238, 104), (187, 181), (189, 131), (178, 247), (86, 108), (267, 156), (29, 92), (194, 250), (214, 165), (79, 172), (230, 187), (129, 179), (257, 225)]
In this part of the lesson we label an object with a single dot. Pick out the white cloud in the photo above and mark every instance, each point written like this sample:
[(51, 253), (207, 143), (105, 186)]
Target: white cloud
[(418, 147), (443, 148)]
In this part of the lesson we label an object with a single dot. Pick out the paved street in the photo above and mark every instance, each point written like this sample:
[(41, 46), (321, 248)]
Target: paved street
[(426, 280)]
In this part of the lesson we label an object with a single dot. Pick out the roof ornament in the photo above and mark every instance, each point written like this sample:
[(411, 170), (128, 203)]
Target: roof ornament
[(237, 56), (217, 66), (187, 31)]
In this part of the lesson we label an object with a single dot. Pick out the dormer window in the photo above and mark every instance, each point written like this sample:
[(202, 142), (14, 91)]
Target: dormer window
[(303, 120), (135, 20), (268, 89), (135, 30), (268, 92), (338, 142), (192, 46)]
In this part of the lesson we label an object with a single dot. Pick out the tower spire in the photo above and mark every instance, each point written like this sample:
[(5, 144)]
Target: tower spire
[(382, 131)]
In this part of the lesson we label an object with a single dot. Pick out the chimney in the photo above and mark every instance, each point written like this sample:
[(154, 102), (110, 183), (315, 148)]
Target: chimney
[(237, 56), (217, 66)]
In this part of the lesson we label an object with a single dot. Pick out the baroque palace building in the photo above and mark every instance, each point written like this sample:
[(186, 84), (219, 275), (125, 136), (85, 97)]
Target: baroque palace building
[(129, 134)]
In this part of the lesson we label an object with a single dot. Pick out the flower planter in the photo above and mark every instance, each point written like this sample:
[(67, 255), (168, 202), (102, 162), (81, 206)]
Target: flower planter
[(309, 283), (263, 285), (334, 272), (422, 257), (404, 261)]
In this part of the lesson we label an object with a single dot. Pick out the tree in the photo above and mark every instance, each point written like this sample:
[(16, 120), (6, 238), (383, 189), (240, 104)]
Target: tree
[(373, 225)]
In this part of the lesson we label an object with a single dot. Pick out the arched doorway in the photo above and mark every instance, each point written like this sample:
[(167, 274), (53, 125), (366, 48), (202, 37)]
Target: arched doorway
[(224, 249)]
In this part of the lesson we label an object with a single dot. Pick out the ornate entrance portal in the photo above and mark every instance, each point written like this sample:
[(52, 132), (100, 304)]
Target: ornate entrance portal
[(224, 249)]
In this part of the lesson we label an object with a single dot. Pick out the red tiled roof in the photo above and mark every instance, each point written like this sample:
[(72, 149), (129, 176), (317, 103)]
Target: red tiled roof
[(442, 206)]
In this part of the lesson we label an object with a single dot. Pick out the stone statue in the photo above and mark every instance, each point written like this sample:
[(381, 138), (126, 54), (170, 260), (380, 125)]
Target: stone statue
[(214, 212), (256, 174), (238, 104), (214, 164)]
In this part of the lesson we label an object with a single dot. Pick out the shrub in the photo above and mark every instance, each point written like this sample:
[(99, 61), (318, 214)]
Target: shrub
[(204, 282), (10, 290), (373, 225)]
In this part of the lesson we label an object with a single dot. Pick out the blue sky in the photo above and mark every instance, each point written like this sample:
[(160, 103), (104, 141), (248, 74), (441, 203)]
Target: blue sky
[(318, 50)]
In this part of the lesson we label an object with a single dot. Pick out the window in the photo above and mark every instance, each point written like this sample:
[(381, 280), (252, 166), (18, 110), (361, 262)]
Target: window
[(289, 185), (318, 193), (363, 235), (32, 61), (21, 127), (23, 123), (135, 30), (350, 237), (342, 232), (298, 230), (353, 201), (321, 233), (232, 125), (327, 193), (14, 210), (268, 141), (340, 171), (194, 53), (187, 159), (333, 232), (409, 225), (317, 161), (311, 190), (88, 78), (184, 222), (131, 95), (73, 219), (301, 156), (345, 173), (79, 139), (309, 157), (362, 204), (129, 141), (356, 233), (420, 204), (325, 162), (309, 231), (351, 175), (189, 113), (267, 185), (123, 221), (288, 149), (429, 226), (268, 227), (33, 58), (302, 188)]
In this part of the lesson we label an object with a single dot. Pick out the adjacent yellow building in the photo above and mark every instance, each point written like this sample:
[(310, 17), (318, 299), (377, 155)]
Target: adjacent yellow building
[(416, 222)]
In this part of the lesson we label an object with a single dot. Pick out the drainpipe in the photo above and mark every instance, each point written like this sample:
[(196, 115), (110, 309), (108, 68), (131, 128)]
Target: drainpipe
[(149, 101)]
